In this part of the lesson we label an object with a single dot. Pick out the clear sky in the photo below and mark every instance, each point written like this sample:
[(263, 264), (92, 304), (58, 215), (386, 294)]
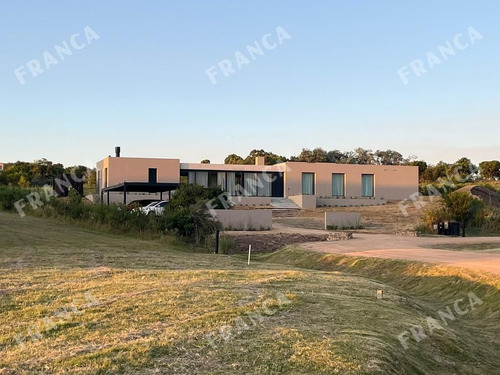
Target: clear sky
[(333, 82)]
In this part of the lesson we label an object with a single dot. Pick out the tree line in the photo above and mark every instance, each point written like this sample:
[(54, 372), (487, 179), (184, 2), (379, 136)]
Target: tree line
[(463, 167), (40, 172)]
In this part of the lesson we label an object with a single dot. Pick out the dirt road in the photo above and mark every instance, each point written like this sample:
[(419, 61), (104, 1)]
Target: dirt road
[(413, 248)]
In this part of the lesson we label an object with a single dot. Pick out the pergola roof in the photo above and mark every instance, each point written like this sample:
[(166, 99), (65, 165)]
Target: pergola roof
[(139, 187), (142, 187)]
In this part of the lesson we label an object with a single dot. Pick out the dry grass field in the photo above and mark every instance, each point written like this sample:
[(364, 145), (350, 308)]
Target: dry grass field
[(76, 301), (387, 218)]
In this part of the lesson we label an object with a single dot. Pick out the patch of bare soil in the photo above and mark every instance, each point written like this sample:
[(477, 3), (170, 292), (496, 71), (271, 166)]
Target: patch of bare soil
[(270, 242), (389, 218)]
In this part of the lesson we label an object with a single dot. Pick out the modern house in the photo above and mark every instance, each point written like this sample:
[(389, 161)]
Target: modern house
[(123, 179)]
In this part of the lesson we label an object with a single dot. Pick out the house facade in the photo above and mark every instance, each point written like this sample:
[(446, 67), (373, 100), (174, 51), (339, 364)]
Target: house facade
[(307, 184)]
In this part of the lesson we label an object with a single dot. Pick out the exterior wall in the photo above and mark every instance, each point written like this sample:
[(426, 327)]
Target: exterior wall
[(347, 202), (390, 182), (250, 201), (136, 170), (245, 219), (342, 219), (304, 201)]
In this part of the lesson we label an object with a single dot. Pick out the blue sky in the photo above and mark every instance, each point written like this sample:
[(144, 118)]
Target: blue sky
[(334, 84)]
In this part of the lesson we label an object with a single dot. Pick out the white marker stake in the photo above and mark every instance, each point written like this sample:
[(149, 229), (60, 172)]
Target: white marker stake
[(249, 252)]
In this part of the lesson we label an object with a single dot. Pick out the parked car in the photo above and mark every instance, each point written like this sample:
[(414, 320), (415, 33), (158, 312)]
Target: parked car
[(135, 205), (155, 207)]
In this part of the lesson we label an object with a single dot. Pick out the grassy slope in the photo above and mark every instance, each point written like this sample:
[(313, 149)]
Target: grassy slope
[(157, 303), (486, 247), (472, 341)]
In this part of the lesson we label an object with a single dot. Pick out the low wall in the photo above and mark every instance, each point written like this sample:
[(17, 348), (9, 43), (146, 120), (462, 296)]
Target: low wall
[(348, 202), (304, 201), (245, 219), (342, 219), (250, 201)]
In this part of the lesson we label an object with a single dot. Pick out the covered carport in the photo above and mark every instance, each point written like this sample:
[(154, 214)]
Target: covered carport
[(139, 187)]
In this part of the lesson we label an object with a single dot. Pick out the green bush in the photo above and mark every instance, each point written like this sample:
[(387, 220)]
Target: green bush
[(186, 216), (190, 194), (193, 222), (226, 244), (10, 195), (434, 215), (488, 222)]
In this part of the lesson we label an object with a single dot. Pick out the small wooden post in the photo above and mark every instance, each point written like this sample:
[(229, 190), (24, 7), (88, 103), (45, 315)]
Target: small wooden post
[(249, 253), (380, 294)]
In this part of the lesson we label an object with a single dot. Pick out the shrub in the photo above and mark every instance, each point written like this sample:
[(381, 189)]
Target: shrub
[(226, 243), (187, 214), (488, 221), (463, 207), (193, 222), (10, 195), (190, 194), (434, 215)]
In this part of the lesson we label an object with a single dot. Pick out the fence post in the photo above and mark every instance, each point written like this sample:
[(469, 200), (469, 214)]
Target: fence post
[(217, 233)]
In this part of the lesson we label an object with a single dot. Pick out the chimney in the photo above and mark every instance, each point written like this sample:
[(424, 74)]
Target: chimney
[(260, 160), (117, 151)]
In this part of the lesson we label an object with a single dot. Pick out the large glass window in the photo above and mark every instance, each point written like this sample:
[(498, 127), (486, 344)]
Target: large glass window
[(264, 185), (367, 185), (231, 183), (212, 179), (221, 180), (307, 183), (250, 184), (338, 184), (202, 178)]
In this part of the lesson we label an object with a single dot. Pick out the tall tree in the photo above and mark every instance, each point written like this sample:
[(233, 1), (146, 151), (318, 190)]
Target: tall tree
[(233, 159), (463, 170), (462, 207), (336, 156), (388, 157), (422, 165), (435, 172), (364, 156), (269, 157), (490, 169)]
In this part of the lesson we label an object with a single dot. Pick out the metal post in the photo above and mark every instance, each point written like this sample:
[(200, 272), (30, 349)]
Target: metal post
[(217, 234)]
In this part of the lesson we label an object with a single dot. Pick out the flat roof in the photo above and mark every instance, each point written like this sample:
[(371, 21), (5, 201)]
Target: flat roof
[(233, 167)]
